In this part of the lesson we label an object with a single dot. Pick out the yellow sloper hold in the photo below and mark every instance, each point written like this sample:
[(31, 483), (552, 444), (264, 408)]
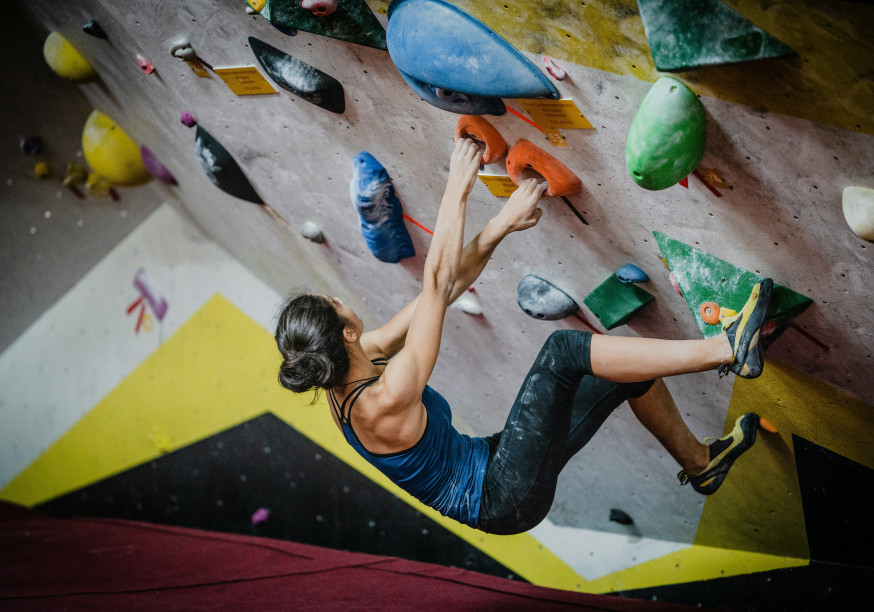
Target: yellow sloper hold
[(216, 372), (66, 61), (111, 153)]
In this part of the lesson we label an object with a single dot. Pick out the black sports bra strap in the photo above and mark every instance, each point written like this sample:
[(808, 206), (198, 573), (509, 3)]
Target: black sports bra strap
[(343, 411)]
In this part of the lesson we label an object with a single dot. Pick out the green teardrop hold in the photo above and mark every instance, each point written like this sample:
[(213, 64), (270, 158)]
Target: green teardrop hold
[(666, 140)]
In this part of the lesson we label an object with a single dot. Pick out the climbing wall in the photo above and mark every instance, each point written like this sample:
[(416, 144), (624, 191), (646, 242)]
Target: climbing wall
[(783, 137)]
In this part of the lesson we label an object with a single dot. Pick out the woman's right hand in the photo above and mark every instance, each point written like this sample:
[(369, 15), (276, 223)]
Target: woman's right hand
[(464, 165), (521, 211)]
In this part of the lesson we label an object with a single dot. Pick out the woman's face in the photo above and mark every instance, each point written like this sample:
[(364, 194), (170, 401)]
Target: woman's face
[(346, 313)]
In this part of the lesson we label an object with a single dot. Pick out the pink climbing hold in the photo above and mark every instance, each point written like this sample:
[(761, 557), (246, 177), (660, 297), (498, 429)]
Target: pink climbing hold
[(155, 167), (554, 69), (675, 285), (260, 515), (187, 119), (145, 64), (319, 8)]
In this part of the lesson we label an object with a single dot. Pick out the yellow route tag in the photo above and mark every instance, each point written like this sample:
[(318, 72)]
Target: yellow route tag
[(245, 80), (199, 69), (555, 137), (498, 185), (557, 114)]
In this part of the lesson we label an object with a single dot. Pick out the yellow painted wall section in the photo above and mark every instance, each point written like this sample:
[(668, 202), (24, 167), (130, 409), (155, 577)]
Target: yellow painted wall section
[(217, 371), (760, 507), (831, 81)]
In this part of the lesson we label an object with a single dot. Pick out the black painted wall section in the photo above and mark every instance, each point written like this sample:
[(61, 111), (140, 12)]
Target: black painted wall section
[(838, 500), (312, 497)]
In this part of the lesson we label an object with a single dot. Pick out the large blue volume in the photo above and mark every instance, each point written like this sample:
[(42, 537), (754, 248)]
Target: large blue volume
[(380, 211), (438, 44)]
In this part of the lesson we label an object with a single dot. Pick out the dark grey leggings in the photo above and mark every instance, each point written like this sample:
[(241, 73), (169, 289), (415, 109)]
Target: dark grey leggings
[(557, 411)]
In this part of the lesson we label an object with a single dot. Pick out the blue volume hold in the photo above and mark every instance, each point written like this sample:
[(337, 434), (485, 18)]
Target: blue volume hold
[(441, 45), (456, 102), (380, 211), (629, 273)]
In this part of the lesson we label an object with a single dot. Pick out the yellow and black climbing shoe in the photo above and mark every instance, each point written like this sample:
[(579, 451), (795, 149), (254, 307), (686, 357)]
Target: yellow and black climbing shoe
[(723, 453), (744, 332)]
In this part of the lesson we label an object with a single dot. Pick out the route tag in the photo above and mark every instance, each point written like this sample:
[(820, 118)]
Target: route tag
[(245, 80), (498, 185), (557, 114), (198, 68), (555, 137)]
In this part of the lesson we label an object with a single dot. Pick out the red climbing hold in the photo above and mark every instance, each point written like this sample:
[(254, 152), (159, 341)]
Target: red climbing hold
[(145, 64), (319, 8)]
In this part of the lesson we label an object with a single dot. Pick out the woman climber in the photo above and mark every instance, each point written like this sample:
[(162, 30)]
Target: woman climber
[(377, 381)]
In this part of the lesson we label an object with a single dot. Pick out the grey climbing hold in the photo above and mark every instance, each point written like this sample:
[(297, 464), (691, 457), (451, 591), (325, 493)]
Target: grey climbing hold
[(541, 299)]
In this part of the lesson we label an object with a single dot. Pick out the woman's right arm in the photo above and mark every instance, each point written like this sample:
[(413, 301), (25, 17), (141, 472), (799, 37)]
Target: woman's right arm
[(405, 377)]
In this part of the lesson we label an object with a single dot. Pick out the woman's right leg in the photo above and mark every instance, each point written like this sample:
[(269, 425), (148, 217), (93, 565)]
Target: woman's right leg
[(630, 359), (624, 359)]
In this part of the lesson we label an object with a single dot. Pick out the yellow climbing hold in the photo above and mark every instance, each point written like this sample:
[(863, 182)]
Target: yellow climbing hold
[(42, 170), (65, 60), (111, 153), (257, 4)]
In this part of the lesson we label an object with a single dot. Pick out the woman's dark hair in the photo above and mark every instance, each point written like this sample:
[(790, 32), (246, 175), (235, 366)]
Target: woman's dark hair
[(309, 335)]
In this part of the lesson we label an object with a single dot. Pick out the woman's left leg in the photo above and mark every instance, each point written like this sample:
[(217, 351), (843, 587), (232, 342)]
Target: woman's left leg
[(553, 416)]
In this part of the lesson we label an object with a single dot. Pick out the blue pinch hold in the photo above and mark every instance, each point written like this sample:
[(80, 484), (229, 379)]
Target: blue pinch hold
[(629, 273), (380, 211), (441, 45)]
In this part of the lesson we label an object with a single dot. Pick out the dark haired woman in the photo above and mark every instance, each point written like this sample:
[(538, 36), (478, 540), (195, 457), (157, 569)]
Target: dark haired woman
[(504, 483)]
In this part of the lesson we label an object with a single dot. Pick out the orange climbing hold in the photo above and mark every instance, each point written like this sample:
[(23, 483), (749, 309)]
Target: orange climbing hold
[(766, 425), (525, 156), (709, 312), (478, 128)]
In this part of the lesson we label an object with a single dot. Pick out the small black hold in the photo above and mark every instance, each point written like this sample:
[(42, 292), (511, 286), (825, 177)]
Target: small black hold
[(93, 28), (32, 145), (618, 516)]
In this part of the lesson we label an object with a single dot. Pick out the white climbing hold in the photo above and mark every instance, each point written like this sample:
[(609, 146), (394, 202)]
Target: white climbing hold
[(858, 204), (469, 303), (311, 231), (554, 69), (181, 49)]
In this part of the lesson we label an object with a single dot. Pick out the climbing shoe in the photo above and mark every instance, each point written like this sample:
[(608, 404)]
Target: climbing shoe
[(744, 332), (723, 453)]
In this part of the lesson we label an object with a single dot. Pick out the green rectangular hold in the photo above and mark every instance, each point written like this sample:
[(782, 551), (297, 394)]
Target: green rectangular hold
[(705, 278), (615, 302)]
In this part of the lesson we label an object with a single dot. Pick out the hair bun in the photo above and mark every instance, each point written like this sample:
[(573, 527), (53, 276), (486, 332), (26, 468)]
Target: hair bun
[(304, 371)]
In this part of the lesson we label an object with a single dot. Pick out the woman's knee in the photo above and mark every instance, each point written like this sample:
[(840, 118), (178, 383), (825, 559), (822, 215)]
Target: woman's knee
[(567, 347)]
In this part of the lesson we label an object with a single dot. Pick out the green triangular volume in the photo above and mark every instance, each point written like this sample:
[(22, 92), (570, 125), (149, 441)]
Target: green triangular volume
[(705, 278), (353, 21), (691, 33)]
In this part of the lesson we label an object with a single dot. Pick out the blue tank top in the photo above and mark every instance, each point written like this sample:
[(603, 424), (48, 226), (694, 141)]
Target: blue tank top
[(444, 469)]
